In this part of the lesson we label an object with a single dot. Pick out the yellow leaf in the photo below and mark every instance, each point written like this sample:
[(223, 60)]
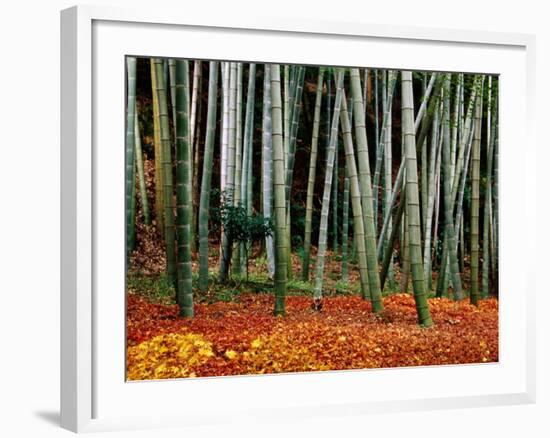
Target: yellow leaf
[(231, 354), (256, 343)]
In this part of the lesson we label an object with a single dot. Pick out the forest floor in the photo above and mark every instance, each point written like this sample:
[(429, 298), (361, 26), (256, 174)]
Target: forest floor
[(235, 332)]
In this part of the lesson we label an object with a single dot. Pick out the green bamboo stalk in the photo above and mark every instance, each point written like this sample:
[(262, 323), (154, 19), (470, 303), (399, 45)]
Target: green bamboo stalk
[(393, 237), (246, 174), (296, 89), (206, 183), (474, 211), (225, 125), (329, 173), (278, 192), (448, 204), (496, 202), (159, 184), (227, 246), (170, 84), (334, 201), (195, 151), (240, 167), (467, 128), (488, 195), (413, 210), (455, 120), (169, 232), (434, 152), (312, 174), (130, 155), (267, 164), (184, 196), (357, 210), (365, 185), (345, 225), (385, 136), (424, 165), (197, 69)]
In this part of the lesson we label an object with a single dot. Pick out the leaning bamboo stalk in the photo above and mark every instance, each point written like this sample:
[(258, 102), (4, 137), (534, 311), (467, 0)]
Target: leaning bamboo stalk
[(448, 204), (385, 137), (329, 173), (345, 227), (434, 152), (357, 210)]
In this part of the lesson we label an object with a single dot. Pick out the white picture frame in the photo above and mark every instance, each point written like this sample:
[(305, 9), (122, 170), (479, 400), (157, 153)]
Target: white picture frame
[(92, 390)]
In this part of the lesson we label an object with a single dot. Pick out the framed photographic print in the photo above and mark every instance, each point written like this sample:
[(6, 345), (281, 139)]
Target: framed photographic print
[(258, 207)]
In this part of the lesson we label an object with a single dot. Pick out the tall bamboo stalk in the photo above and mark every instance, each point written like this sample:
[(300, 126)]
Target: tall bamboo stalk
[(169, 232), (206, 183), (428, 220), (488, 197), (329, 173), (246, 174), (184, 196), (357, 210), (413, 209), (345, 226), (474, 211), (279, 200), (238, 195), (311, 175), (230, 176), (159, 184), (130, 154), (448, 205), (225, 125), (365, 186), (267, 164)]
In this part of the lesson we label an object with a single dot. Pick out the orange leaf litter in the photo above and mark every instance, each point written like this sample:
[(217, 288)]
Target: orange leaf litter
[(245, 338)]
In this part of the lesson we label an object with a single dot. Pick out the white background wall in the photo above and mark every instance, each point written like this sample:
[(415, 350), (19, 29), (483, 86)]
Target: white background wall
[(29, 218)]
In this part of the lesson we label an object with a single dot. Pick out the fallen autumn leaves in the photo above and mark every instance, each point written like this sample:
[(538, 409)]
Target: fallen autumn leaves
[(245, 338)]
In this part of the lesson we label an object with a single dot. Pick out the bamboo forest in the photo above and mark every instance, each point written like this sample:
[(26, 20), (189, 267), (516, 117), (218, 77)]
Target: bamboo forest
[(288, 218)]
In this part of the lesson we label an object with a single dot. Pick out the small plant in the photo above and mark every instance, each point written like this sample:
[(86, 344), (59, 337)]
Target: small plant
[(226, 295), (241, 228)]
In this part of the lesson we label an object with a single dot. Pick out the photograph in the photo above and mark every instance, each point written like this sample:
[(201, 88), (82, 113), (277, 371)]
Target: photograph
[(289, 218)]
